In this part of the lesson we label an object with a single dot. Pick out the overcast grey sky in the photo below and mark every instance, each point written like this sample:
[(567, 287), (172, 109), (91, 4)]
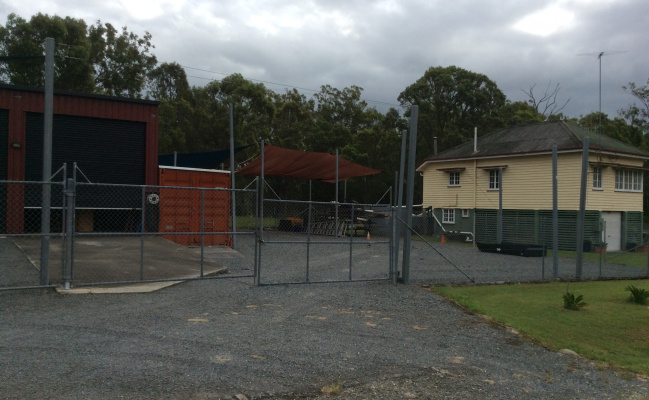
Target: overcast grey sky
[(384, 46)]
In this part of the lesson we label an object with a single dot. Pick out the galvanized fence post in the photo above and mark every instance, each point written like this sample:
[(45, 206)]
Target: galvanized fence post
[(69, 231), (142, 231), (63, 210), (256, 263), (543, 248), (602, 246), (203, 231), (351, 242), (308, 234)]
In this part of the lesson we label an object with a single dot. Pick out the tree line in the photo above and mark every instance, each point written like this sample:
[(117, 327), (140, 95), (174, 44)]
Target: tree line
[(103, 59)]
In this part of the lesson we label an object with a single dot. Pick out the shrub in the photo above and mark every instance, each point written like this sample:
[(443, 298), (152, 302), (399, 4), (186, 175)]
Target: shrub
[(637, 296), (572, 302)]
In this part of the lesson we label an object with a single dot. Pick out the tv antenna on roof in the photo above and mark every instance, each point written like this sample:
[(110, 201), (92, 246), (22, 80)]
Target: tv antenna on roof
[(599, 55)]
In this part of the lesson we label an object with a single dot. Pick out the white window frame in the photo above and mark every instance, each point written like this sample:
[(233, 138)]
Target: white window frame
[(466, 213), (454, 178), (494, 184), (448, 215), (597, 178), (628, 180)]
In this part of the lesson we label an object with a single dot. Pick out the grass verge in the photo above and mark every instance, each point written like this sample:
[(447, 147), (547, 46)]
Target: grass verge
[(635, 259), (609, 329)]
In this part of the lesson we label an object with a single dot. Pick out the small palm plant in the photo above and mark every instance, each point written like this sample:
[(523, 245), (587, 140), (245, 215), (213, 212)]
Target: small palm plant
[(572, 302), (637, 296)]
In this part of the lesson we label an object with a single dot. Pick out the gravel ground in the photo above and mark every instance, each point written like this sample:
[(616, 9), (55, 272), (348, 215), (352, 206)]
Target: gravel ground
[(216, 339), (219, 339)]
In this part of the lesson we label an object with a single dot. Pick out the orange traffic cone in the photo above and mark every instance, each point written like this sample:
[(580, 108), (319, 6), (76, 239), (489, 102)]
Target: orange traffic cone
[(443, 241), (368, 235)]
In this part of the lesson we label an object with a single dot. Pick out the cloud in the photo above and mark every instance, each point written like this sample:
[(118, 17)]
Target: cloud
[(386, 45)]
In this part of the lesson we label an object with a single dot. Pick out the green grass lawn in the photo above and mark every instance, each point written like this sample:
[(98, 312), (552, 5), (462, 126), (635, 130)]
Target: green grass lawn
[(248, 222), (634, 259), (608, 329)]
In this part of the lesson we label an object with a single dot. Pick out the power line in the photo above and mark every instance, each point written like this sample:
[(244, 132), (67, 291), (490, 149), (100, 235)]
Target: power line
[(277, 84)]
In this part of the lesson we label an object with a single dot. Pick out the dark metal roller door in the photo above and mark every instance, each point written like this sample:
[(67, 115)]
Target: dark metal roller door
[(106, 150)]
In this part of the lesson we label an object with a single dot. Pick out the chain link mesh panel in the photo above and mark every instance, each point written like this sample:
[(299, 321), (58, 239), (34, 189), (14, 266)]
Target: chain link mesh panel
[(324, 242), (21, 240)]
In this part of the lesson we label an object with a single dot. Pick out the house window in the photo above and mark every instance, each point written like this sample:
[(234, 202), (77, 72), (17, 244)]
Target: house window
[(628, 180), (494, 183), (454, 178), (597, 178), (465, 213), (448, 216)]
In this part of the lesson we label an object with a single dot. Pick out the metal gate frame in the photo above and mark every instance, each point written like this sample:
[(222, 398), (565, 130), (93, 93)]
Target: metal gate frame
[(338, 231)]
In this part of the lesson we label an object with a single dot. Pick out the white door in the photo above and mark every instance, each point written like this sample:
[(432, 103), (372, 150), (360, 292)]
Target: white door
[(613, 230)]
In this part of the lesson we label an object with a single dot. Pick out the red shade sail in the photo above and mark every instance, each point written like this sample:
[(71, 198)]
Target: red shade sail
[(305, 165)]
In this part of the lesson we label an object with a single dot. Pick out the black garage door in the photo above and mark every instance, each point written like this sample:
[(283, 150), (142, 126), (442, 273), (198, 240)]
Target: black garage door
[(105, 150)]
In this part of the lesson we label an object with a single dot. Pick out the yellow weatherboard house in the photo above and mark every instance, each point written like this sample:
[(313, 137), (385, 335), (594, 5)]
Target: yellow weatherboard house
[(462, 187)]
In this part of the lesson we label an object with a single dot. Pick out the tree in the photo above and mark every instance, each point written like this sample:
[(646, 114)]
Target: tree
[(294, 119), (520, 113), (121, 60), (73, 67), (95, 59), (637, 116), (253, 109), (452, 101), (546, 104), (168, 81), (616, 128)]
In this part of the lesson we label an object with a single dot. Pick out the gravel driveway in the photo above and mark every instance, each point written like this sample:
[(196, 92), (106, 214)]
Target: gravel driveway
[(217, 339)]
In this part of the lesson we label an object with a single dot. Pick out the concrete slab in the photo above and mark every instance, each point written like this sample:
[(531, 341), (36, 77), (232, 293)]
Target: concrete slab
[(110, 259)]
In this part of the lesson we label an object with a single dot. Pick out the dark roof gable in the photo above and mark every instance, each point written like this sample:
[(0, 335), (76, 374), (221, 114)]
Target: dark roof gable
[(536, 138)]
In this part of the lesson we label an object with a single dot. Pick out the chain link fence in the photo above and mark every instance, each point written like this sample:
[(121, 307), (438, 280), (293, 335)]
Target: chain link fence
[(324, 242), (20, 232), (103, 234), (444, 253)]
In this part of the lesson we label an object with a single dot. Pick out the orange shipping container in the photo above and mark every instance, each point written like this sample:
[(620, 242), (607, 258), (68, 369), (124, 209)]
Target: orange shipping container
[(181, 209)]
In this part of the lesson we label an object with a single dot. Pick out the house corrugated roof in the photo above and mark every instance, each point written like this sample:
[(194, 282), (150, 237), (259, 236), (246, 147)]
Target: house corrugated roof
[(535, 138)]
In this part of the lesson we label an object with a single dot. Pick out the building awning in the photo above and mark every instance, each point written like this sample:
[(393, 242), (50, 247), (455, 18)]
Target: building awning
[(298, 164), (491, 167), (451, 169), (617, 166)]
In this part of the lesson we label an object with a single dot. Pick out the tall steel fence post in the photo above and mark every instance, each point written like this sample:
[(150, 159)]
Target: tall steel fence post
[(202, 231), (582, 209), (63, 210), (69, 231), (351, 244), (255, 265), (47, 161), (555, 215), (233, 193), (412, 153), (402, 168), (308, 232), (648, 261), (543, 248), (142, 231)]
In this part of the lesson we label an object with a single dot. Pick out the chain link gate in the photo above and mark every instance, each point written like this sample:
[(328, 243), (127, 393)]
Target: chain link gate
[(110, 234), (318, 242)]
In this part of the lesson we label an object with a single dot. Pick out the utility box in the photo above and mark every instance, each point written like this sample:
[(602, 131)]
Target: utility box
[(183, 205)]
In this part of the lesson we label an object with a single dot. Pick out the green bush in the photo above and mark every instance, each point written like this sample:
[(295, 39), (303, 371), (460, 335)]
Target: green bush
[(572, 302), (637, 296)]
